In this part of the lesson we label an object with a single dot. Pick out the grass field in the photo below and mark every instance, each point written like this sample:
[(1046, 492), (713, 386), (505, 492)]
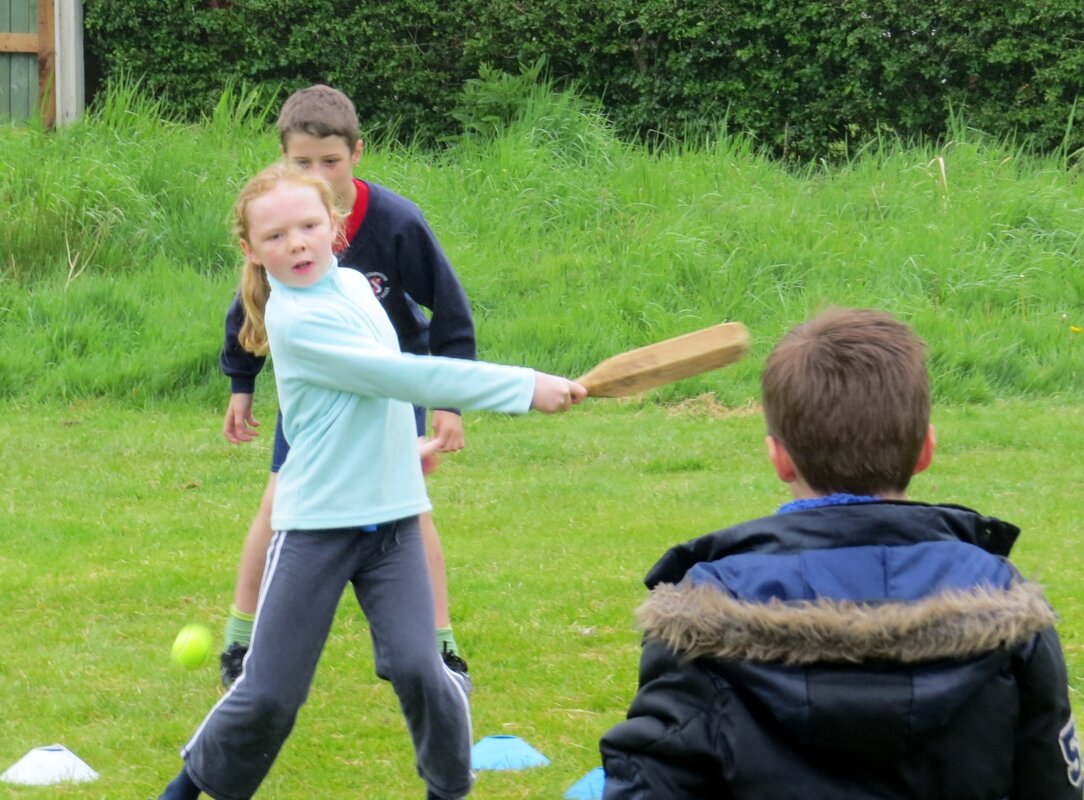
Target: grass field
[(122, 509), (123, 525)]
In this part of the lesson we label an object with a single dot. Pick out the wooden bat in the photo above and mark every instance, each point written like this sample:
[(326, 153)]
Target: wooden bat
[(670, 360)]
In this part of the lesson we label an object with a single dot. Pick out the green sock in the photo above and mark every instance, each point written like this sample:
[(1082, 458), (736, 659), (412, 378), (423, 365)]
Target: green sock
[(238, 627), (446, 641)]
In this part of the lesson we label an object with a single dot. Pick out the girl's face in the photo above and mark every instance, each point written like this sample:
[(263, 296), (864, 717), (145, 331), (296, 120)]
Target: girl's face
[(289, 234)]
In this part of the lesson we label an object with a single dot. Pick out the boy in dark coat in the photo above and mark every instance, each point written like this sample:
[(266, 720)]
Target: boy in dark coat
[(854, 645)]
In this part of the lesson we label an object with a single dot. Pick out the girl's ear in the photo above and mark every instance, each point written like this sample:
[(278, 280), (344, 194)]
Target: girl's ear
[(338, 235), (355, 157), (246, 248)]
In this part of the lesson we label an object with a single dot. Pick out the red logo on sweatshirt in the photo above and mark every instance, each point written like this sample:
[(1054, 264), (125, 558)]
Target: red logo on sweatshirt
[(379, 282)]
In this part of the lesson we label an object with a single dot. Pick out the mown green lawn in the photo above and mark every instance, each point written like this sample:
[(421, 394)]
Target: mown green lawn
[(120, 526)]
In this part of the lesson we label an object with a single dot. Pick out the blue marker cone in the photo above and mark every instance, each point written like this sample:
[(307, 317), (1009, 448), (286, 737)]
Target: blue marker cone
[(589, 787), (505, 753)]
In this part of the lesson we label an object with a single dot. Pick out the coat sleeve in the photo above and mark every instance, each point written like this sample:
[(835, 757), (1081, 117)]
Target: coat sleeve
[(239, 365), (1048, 758), (668, 747)]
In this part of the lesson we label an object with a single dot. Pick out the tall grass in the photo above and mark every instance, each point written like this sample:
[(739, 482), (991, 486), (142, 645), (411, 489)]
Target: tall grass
[(117, 264)]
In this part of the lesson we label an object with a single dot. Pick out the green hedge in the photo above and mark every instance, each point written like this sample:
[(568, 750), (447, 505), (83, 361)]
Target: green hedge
[(805, 79)]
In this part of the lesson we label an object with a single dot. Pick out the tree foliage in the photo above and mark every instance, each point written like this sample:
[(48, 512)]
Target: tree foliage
[(806, 79)]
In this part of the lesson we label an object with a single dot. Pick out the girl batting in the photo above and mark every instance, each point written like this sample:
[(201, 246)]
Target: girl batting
[(348, 498)]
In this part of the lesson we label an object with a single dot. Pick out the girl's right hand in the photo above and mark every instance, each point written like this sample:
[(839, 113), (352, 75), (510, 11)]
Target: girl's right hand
[(553, 393)]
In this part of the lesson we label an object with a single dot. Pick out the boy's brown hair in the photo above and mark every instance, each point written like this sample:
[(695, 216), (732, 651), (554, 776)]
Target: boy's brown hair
[(847, 394), (319, 111)]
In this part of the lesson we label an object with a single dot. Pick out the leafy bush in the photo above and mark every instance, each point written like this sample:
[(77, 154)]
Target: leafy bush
[(488, 104), (397, 61), (810, 79), (806, 79)]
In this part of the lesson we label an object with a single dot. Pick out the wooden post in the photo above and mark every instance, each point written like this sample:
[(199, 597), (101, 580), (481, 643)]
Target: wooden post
[(68, 66), (46, 63)]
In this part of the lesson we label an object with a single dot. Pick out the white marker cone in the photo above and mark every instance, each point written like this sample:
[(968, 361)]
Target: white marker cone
[(44, 766)]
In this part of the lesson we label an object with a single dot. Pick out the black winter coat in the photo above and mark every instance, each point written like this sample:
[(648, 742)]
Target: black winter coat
[(883, 650)]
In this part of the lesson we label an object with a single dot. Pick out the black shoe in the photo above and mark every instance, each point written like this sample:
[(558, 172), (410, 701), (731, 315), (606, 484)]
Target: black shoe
[(453, 661), (232, 662)]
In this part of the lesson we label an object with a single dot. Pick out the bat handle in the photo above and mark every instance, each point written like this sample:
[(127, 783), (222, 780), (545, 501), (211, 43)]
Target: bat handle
[(587, 384)]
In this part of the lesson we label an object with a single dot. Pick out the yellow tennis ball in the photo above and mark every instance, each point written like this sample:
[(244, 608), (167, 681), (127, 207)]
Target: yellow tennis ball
[(192, 647)]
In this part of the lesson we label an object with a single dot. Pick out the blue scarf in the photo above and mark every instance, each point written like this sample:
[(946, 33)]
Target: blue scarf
[(827, 500)]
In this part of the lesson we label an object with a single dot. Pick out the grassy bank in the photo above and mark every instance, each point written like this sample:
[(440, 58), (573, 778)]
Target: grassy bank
[(118, 267)]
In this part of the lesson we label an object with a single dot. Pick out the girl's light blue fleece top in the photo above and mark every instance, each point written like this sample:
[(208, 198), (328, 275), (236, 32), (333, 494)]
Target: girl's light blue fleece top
[(346, 391)]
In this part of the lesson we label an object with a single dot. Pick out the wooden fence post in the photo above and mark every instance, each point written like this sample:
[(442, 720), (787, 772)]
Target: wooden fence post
[(47, 63)]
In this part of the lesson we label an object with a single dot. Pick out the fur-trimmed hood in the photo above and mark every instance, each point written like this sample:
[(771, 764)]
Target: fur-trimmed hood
[(699, 620), (862, 650)]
